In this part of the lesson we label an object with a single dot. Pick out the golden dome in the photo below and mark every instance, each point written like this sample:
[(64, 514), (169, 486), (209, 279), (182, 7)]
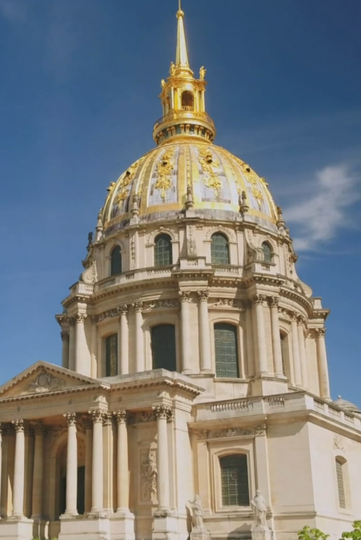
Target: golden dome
[(186, 170), (158, 185)]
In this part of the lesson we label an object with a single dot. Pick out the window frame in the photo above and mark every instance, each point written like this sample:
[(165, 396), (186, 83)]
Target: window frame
[(219, 449), (105, 339), (114, 248), (220, 234), (340, 457), (162, 324), (271, 252), (236, 327), (158, 237)]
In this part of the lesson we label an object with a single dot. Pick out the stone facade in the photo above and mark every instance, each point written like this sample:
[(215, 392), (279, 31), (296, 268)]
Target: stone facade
[(114, 445)]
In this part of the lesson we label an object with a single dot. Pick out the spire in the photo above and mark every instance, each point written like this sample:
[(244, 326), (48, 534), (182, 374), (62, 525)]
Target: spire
[(182, 50)]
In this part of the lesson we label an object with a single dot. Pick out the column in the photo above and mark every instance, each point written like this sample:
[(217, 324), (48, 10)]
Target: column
[(71, 467), (80, 345), (123, 337), (38, 471), (276, 338), (185, 298), (139, 338), (163, 414), (296, 351), (301, 346), (122, 464), (65, 351), (204, 336), (322, 363), (97, 461), (19, 470), (72, 343), (88, 464), (258, 301), (249, 340)]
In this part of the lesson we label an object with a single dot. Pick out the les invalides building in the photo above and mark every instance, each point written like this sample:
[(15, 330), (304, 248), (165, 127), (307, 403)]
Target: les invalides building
[(193, 397)]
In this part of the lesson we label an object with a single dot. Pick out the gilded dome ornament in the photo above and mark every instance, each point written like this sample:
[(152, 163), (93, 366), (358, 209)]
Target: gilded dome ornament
[(164, 172)]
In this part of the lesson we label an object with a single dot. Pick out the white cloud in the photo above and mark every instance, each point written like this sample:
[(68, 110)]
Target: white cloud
[(13, 11), (327, 209)]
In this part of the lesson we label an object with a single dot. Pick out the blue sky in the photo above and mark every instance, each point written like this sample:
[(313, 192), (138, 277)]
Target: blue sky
[(78, 98)]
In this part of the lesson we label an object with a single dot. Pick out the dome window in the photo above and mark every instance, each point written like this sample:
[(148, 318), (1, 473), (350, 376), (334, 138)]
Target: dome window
[(226, 347), (234, 480), (116, 261), (163, 250), (163, 347), (267, 252), (220, 249), (187, 101)]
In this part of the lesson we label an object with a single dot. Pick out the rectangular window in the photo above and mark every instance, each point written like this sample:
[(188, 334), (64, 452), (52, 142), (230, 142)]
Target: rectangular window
[(234, 480), (111, 355), (225, 337), (340, 484)]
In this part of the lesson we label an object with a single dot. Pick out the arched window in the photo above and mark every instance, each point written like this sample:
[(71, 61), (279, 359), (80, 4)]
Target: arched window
[(163, 347), (340, 467), (225, 340), (220, 249), (234, 480), (267, 252), (163, 250), (285, 353), (187, 101), (116, 261), (111, 355)]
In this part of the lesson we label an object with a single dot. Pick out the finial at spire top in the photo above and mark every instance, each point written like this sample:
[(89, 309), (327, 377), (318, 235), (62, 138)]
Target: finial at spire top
[(182, 49)]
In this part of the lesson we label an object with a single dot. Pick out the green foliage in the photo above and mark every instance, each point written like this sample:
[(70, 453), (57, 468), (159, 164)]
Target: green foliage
[(312, 534), (356, 533)]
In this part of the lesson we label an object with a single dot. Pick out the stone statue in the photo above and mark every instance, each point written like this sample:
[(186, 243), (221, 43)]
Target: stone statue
[(197, 514), (260, 511), (202, 73)]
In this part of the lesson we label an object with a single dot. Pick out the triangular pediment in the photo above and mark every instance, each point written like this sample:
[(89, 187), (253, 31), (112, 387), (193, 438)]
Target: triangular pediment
[(43, 378)]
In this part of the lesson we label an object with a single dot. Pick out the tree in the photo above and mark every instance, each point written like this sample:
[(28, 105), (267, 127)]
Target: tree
[(356, 533), (312, 534)]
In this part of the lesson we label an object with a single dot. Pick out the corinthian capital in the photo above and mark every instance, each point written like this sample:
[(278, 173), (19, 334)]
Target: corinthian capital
[(274, 301), (123, 309), (96, 415), (19, 425), (80, 317), (203, 295), (70, 418), (121, 416), (185, 296), (163, 412), (259, 299), (320, 332), (138, 306)]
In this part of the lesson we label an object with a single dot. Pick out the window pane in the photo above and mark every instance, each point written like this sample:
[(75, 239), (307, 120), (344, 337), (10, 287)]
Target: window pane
[(220, 249), (234, 480), (163, 250), (163, 347), (340, 484), (284, 351), (116, 261), (111, 355), (225, 337), (267, 252)]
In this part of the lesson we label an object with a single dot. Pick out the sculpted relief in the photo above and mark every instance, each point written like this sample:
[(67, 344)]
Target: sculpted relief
[(44, 382)]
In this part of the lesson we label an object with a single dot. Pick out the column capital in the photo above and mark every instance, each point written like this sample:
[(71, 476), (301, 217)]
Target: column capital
[(70, 418), (19, 425), (259, 299), (185, 296), (203, 295), (121, 417), (301, 321), (96, 415), (138, 306), (80, 318), (320, 332), (123, 309), (163, 412), (274, 301), (293, 317)]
